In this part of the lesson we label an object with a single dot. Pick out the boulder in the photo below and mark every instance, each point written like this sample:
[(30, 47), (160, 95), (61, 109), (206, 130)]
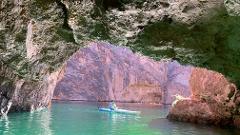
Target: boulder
[(193, 111), (213, 100)]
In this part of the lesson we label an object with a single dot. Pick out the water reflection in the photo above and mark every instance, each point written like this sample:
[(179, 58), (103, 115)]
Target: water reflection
[(43, 122), (114, 122), (26, 123), (5, 125), (85, 119)]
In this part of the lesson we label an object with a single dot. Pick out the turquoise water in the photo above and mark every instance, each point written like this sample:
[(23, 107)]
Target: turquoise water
[(84, 119)]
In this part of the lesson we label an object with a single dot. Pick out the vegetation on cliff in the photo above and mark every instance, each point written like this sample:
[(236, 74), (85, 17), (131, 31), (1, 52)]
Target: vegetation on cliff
[(213, 44)]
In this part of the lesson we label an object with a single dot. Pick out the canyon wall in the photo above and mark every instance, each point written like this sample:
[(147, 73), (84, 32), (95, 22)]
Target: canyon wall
[(104, 72)]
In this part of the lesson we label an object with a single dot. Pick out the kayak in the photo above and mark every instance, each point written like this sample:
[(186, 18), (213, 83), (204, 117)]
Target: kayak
[(122, 111)]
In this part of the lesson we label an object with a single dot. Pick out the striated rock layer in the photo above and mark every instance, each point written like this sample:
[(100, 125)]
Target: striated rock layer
[(103, 72), (213, 101)]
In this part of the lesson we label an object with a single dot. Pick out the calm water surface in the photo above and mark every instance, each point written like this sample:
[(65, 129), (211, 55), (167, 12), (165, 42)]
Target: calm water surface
[(84, 119)]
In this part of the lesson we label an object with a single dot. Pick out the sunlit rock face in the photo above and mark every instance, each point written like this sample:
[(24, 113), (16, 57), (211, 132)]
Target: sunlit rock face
[(177, 81), (103, 72), (213, 100)]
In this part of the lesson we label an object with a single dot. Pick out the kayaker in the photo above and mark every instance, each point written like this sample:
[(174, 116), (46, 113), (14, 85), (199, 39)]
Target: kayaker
[(112, 106)]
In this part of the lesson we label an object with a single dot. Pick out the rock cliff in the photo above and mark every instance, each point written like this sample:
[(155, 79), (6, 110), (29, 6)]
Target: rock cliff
[(27, 95), (104, 72), (32, 52)]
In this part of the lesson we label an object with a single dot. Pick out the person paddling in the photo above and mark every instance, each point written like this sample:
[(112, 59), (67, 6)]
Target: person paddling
[(112, 108), (112, 105)]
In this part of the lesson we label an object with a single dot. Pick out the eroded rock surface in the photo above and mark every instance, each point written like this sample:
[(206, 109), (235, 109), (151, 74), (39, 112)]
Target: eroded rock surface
[(233, 7), (103, 72), (27, 95), (213, 100), (33, 41), (106, 19)]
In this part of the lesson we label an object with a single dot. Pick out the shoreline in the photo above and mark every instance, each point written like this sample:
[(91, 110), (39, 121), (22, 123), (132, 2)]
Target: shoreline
[(105, 102)]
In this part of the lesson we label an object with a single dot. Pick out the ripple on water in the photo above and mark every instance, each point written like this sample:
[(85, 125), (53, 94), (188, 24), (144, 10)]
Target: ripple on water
[(167, 127)]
